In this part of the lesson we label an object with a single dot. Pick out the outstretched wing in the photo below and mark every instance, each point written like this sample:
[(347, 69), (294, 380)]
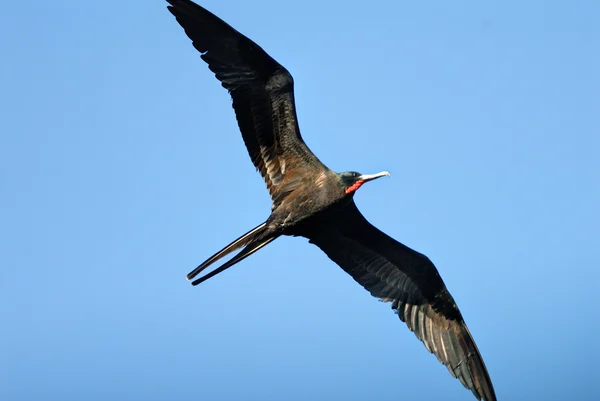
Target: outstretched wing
[(263, 98), (409, 280)]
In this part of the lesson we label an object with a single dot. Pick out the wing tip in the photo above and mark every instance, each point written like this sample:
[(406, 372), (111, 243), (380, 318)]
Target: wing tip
[(483, 387), (457, 351)]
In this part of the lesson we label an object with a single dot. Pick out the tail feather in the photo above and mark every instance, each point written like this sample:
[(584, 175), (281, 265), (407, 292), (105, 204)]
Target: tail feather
[(247, 251), (253, 240)]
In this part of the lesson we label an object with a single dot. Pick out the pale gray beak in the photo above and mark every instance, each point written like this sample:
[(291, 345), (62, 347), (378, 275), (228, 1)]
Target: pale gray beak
[(370, 177)]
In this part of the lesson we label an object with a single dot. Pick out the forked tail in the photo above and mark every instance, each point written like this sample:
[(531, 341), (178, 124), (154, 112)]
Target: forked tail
[(252, 241)]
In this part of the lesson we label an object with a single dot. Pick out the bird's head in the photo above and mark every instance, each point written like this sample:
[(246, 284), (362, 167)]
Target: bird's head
[(352, 180)]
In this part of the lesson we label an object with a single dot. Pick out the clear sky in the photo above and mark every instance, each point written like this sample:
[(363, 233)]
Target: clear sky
[(122, 168)]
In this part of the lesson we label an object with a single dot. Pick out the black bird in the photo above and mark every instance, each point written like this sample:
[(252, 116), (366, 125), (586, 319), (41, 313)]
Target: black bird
[(312, 201)]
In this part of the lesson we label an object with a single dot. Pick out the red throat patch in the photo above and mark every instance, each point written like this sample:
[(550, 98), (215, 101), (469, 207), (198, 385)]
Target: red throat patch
[(354, 186)]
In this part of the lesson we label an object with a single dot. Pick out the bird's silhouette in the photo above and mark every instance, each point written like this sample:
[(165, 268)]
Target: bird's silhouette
[(312, 201)]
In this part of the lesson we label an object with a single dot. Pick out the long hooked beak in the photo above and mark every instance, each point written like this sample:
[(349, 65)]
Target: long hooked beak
[(370, 177)]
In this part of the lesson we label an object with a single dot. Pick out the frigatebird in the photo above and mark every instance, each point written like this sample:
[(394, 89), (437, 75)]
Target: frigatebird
[(312, 201)]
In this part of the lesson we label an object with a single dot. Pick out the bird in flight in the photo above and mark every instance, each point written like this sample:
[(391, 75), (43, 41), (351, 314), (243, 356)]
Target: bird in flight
[(312, 201)]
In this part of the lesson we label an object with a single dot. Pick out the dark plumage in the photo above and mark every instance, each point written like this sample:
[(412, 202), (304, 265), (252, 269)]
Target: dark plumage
[(311, 201)]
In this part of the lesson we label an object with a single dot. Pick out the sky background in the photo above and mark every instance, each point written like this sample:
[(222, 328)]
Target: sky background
[(122, 168)]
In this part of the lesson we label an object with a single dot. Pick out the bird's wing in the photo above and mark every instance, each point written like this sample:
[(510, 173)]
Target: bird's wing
[(263, 97), (395, 273)]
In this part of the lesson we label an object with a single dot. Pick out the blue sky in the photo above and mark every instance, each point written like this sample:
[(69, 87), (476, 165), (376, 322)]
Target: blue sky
[(121, 169)]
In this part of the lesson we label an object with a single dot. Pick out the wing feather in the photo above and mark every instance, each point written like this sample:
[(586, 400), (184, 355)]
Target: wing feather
[(395, 273), (262, 93)]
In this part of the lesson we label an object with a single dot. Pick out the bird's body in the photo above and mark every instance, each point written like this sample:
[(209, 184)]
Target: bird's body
[(312, 201)]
